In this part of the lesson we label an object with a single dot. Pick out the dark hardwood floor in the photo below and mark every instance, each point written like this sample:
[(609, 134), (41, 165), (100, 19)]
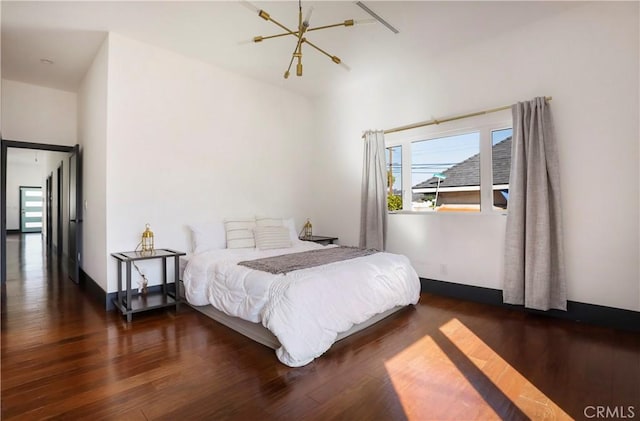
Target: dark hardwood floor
[(64, 357)]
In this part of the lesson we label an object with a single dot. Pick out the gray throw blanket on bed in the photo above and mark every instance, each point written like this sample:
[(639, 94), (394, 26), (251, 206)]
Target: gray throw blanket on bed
[(306, 259)]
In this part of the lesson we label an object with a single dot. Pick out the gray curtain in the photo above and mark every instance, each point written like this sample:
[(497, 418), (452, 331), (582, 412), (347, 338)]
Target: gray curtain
[(534, 264), (373, 213)]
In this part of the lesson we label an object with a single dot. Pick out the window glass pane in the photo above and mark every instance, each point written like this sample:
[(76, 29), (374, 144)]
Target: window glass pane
[(33, 214), (445, 174), (501, 159), (33, 224), (394, 178), (34, 193), (31, 204)]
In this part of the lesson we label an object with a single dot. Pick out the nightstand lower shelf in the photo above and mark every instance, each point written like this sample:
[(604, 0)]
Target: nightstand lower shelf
[(150, 301)]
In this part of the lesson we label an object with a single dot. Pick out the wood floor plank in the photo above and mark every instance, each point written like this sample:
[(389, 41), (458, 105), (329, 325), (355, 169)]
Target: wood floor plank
[(64, 357)]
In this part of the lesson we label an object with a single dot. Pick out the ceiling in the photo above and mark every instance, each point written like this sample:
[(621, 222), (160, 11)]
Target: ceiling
[(24, 156), (217, 32), (31, 157)]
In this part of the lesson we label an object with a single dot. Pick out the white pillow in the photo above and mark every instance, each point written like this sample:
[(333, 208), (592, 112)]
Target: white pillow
[(293, 232), (207, 236), (239, 232), (289, 223), (263, 221), (268, 238)]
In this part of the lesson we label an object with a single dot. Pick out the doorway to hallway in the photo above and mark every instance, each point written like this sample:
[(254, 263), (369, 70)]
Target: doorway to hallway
[(68, 206)]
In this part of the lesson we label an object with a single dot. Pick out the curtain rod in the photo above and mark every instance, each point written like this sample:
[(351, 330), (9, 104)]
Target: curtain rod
[(444, 120)]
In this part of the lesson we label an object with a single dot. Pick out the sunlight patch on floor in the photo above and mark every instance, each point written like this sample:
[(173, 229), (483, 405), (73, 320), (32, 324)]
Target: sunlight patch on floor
[(430, 386), (453, 375), (529, 399)]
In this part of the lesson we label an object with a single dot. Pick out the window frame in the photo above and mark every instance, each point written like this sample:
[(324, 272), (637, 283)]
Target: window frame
[(386, 149), (484, 125)]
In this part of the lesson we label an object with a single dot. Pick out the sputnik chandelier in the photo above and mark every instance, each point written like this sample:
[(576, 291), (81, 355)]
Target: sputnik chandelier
[(303, 28)]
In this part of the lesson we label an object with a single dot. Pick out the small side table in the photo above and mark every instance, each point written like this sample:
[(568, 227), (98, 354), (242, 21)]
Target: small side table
[(128, 303), (320, 239)]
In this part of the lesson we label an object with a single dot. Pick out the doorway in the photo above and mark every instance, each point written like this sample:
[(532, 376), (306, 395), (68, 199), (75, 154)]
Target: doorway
[(75, 217)]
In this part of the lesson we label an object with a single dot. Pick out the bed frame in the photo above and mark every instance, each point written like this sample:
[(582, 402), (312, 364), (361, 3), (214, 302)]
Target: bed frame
[(261, 334)]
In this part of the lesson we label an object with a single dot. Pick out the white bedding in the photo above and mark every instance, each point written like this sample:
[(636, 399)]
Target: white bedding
[(304, 309)]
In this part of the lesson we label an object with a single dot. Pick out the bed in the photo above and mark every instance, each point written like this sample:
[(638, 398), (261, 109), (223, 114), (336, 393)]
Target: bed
[(299, 313)]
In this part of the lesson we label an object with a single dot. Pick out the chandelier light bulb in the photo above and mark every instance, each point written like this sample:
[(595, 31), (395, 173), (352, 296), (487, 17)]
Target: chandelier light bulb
[(308, 17)]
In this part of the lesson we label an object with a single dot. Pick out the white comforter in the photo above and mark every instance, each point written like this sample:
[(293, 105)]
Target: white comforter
[(304, 309)]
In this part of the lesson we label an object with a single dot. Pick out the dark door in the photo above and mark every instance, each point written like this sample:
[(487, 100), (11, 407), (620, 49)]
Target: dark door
[(75, 214), (48, 226), (59, 213)]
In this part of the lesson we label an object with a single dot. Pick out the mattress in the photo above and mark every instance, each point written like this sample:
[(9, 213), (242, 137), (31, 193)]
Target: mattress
[(182, 265)]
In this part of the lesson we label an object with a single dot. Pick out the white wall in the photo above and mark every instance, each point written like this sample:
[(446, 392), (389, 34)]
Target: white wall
[(188, 142), (37, 114), (587, 59), (92, 135), (34, 114), (40, 115)]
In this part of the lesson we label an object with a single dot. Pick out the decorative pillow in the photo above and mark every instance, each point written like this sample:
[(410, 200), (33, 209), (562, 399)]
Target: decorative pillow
[(289, 223), (263, 221), (240, 233), (208, 236), (272, 237)]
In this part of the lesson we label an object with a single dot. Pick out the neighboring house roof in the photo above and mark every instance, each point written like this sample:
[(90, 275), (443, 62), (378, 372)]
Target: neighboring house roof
[(467, 172), (502, 161)]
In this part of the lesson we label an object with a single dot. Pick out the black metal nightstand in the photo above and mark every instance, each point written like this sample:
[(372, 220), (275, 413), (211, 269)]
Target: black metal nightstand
[(320, 239), (129, 303)]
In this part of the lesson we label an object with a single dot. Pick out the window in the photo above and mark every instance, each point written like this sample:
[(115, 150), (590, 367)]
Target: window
[(445, 174), (461, 171)]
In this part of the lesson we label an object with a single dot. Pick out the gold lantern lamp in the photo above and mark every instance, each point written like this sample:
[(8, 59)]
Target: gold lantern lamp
[(307, 229), (146, 245)]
